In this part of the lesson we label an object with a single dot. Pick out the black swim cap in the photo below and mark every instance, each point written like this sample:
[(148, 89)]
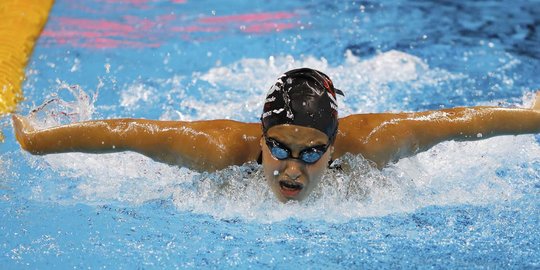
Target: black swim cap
[(304, 97)]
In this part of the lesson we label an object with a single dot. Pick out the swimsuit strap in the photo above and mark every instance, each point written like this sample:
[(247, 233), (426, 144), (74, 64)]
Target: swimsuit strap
[(259, 159)]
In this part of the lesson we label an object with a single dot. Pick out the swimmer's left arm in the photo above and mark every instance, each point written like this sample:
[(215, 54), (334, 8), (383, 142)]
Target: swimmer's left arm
[(390, 137), (474, 123), (468, 124)]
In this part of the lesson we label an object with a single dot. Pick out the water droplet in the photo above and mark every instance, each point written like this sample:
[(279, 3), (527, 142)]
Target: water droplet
[(276, 173)]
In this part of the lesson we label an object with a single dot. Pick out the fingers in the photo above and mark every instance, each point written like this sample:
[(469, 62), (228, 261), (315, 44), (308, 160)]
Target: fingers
[(22, 129), (21, 123), (17, 122), (536, 104)]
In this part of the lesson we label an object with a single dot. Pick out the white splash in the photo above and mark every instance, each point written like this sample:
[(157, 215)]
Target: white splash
[(56, 110), (449, 174), (137, 95), (366, 81)]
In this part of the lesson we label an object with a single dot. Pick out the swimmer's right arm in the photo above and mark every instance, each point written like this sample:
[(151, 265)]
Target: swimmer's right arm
[(199, 145)]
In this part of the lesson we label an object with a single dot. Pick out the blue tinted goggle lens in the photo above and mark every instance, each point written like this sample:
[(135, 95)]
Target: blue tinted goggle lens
[(309, 155), (279, 152)]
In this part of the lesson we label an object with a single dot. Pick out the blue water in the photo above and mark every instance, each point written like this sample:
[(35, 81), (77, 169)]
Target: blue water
[(459, 205)]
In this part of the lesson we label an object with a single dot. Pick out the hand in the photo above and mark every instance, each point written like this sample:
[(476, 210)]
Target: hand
[(24, 131)]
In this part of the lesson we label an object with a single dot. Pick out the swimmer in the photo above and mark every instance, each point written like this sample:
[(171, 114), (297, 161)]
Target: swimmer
[(298, 137)]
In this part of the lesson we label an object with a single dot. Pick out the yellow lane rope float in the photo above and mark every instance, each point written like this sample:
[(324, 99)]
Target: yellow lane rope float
[(21, 22), (20, 25)]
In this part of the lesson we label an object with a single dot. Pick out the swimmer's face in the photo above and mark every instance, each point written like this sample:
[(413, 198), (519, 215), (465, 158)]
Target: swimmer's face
[(292, 178)]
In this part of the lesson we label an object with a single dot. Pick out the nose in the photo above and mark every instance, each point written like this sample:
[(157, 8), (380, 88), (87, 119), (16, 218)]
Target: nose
[(293, 170)]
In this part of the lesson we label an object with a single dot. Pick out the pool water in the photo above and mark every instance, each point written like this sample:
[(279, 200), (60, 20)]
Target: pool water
[(458, 205)]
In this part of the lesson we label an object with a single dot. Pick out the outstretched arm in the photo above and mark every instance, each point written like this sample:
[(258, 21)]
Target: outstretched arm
[(385, 138), (201, 145)]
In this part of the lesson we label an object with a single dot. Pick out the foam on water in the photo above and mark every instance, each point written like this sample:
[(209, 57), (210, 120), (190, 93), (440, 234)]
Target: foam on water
[(450, 173)]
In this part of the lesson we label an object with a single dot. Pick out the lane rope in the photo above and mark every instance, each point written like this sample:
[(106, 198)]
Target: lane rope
[(21, 24)]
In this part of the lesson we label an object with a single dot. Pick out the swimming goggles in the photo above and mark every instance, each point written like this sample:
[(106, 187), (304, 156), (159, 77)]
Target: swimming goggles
[(308, 155)]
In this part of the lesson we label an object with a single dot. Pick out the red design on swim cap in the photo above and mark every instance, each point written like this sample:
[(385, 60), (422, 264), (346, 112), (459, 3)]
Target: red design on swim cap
[(327, 84)]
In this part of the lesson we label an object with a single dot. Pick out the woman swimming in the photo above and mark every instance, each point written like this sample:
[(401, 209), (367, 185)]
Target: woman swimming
[(299, 134)]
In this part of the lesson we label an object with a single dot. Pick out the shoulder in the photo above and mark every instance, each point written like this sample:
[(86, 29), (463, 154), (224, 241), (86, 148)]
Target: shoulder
[(352, 132), (356, 127), (368, 135), (368, 120), (240, 140), (210, 145)]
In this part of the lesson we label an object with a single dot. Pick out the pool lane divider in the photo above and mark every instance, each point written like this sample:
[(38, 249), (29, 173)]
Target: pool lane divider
[(20, 25)]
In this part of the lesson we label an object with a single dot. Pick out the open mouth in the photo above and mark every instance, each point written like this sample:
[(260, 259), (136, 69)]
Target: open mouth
[(289, 188)]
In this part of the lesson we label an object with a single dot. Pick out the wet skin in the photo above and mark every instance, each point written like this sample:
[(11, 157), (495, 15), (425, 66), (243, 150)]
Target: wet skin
[(293, 179)]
